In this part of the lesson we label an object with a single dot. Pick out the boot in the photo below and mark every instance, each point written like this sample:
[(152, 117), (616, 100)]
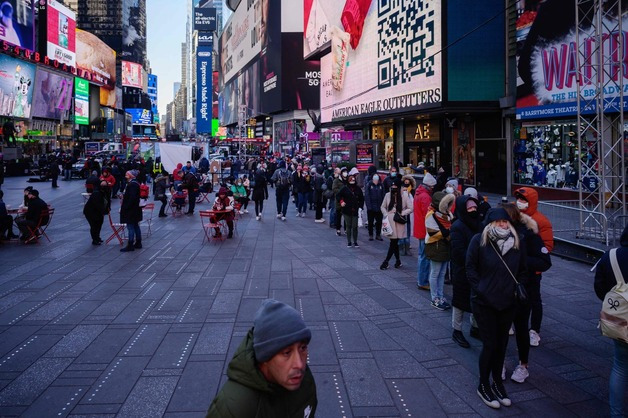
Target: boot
[(129, 247), (138, 244), (459, 339), (404, 249)]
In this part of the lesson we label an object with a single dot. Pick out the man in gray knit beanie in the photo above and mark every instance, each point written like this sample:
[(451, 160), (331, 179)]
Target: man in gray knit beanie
[(268, 374)]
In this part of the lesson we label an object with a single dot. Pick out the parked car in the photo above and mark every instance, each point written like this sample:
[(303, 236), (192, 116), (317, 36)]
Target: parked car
[(78, 169)]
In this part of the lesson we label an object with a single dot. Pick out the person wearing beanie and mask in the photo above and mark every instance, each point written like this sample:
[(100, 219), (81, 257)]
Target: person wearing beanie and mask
[(373, 197), (483, 205), (318, 183), (224, 202), (337, 185), (281, 177), (351, 200), (462, 230), (395, 203), (494, 261), (437, 243), (268, 375), (36, 206), (422, 202), (131, 212), (392, 177), (527, 203)]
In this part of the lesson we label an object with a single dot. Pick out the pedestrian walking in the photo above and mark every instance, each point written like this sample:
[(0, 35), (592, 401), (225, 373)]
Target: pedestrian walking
[(422, 202), (260, 192), (159, 189), (437, 239), (319, 187), (281, 178), (131, 212), (351, 200), (95, 209), (339, 182), (395, 207), (373, 198), (408, 189), (494, 264)]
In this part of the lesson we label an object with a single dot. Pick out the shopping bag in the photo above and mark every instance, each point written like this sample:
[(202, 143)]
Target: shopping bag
[(360, 220), (387, 230)]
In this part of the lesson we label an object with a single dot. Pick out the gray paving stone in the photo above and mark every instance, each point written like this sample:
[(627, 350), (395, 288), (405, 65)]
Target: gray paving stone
[(56, 401), (189, 396), (26, 354), (105, 347), (226, 303), (15, 336), (174, 351), (116, 381), (30, 384), (145, 341), (364, 384), (399, 365), (149, 398)]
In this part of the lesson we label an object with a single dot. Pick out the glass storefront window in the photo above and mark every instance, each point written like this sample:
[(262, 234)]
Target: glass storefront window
[(546, 154), (385, 145)]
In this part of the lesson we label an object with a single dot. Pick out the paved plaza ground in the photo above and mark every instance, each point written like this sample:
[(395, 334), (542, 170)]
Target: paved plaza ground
[(90, 331)]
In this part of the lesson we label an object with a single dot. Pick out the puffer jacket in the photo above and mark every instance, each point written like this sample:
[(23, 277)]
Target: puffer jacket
[(537, 255), (462, 231), (545, 226), (437, 227), (422, 202), (353, 197), (373, 196), (247, 393)]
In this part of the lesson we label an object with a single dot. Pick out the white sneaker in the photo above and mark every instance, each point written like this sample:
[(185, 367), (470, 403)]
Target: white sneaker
[(283, 218), (520, 374), (258, 217), (535, 338), (511, 331), (319, 221), (298, 214), (241, 212), (303, 215), (503, 372), (246, 211), (324, 210), (278, 215)]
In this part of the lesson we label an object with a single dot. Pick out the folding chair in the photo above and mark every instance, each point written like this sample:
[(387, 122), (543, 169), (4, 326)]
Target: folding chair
[(118, 231), (203, 196), (42, 225), (147, 216), (173, 207), (209, 226)]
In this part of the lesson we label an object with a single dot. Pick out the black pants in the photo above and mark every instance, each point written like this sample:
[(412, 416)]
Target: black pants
[(191, 201), (319, 206), (494, 326), (95, 225), (259, 207), (55, 177), (244, 201), (6, 226), (23, 226), (520, 321), (393, 249), (164, 201), (338, 218), (536, 304), (375, 221)]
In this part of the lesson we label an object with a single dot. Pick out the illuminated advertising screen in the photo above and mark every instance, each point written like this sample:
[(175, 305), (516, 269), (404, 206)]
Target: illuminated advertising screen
[(52, 96), (132, 74), (81, 101), (95, 60), (547, 76), (108, 97), (141, 116), (205, 19), (133, 30), (17, 26), (58, 31), (17, 83), (204, 91), (371, 72)]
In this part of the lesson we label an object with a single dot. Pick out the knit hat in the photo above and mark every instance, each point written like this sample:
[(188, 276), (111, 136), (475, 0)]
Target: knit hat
[(470, 191), (471, 203), (354, 171), (497, 214), (131, 173), (438, 196), (222, 190), (277, 326), (34, 192), (429, 180), (453, 183)]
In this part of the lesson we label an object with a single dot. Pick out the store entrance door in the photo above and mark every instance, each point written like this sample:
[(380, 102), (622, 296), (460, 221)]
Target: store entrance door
[(428, 153), (491, 166)]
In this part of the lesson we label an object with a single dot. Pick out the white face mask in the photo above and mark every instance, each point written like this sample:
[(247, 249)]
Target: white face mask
[(522, 205), (344, 174), (449, 190)]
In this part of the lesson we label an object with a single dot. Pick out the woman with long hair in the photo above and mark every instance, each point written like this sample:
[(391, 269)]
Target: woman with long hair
[(494, 265), (395, 205)]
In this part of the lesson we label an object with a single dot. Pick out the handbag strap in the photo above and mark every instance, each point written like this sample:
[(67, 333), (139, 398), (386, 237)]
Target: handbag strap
[(501, 258), (618, 275)]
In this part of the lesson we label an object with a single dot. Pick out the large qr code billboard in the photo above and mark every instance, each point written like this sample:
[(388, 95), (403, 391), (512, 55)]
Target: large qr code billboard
[(385, 56)]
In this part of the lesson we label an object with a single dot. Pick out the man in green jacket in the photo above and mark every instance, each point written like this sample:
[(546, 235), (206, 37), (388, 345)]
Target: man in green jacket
[(268, 375)]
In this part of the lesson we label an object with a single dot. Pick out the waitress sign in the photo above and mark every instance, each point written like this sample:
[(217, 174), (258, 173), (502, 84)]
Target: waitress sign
[(364, 156)]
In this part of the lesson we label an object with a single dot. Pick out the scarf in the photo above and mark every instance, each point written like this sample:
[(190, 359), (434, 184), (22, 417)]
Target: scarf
[(502, 238), (443, 219)]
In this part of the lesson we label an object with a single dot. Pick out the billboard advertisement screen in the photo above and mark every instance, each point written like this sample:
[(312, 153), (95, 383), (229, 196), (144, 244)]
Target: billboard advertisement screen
[(300, 78), (108, 97), (60, 23), (141, 116), (17, 26), (53, 95), (205, 19), (204, 92), (547, 55), (81, 101), (17, 83), (95, 60), (372, 72), (133, 31), (132, 74)]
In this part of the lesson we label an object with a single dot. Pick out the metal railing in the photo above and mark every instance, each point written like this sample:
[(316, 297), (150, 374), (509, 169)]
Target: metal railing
[(573, 221), (617, 225)]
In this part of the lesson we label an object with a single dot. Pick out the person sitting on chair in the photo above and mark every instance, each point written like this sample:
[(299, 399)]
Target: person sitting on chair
[(224, 203), (31, 219), (179, 198)]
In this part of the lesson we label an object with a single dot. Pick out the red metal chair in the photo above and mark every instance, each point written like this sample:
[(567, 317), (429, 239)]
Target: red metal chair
[(173, 207), (118, 231), (209, 226), (147, 216), (42, 224)]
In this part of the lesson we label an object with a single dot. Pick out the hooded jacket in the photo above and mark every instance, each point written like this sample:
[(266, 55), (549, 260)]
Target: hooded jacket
[(373, 196), (247, 393), (537, 255), (437, 226), (604, 276), (177, 173), (462, 231), (545, 227), (422, 202)]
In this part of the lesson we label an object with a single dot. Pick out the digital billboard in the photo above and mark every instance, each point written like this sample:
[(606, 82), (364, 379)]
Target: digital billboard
[(132, 74), (52, 96), (141, 116), (372, 72), (17, 25), (58, 31), (17, 83), (205, 19), (547, 76), (81, 101), (300, 84), (108, 98), (133, 31), (204, 89), (95, 60)]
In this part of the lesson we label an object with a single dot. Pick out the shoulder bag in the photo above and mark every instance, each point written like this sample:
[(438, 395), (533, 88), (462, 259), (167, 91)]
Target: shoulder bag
[(520, 291)]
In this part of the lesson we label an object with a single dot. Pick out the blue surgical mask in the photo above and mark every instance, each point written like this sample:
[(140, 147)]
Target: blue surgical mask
[(393, 174)]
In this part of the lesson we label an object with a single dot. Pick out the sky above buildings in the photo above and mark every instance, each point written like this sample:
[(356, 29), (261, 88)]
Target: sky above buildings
[(165, 32)]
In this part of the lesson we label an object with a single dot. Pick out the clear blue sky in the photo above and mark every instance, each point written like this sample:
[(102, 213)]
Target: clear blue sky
[(165, 32)]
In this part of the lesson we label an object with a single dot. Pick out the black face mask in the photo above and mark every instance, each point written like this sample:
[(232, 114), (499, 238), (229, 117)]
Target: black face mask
[(473, 215)]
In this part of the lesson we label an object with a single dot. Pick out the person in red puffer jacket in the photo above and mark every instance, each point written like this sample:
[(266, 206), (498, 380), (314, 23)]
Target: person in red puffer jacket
[(422, 202)]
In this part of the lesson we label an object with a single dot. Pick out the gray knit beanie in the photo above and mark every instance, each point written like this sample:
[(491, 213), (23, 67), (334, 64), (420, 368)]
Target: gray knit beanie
[(277, 326)]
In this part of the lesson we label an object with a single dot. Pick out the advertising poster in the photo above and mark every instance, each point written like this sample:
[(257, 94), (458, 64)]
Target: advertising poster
[(17, 23), (204, 91), (384, 58), (52, 96), (60, 33), (364, 156), (228, 103), (132, 74), (205, 19), (95, 60), (547, 61), (108, 98), (249, 84), (141, 116), (17, 83), (134, 31), (81, 101), (215, 95), (318, 155), (271, 58), (301, 79), (315, 27)]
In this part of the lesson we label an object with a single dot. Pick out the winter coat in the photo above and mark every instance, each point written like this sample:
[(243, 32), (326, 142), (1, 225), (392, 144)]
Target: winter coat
[(437, 233), (388, 181), (374, 196), (35, 208), (491, 283), (317, 182), (130, 211), (462, 231), (238, 191), (545, 226), (260, 190), (96, 206), (159, 189), (247, 393), (278, 175), (399, 231), (352, 195), (604, 276), (336, 186), (422, 202), (538, 257)]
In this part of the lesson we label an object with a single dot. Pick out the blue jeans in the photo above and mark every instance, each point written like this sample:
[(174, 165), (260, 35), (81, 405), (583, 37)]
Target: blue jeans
[(302, 202), (332, 216), (423, 273), (282, 196), (437, 278), (618, 378), (134, 231)]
